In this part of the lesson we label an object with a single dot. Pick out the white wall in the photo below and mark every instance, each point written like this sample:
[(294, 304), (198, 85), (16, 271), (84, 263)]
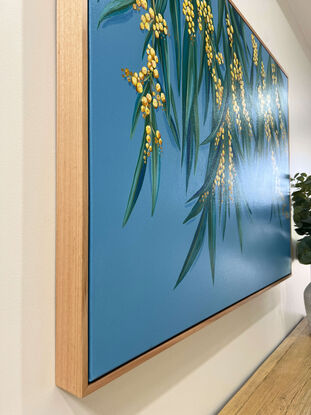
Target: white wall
[(194, 377)]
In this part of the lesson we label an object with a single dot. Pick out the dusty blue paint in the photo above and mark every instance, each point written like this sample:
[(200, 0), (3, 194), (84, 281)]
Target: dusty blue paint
[(132, 270)]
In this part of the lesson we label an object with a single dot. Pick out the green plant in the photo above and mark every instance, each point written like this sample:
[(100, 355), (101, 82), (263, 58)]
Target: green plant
[(301, 198)]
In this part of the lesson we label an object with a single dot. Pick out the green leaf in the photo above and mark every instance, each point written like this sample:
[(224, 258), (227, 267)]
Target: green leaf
[(196, 128), (175, 117), (185, 59), (221, 7), (304, 250), (238, 219), (191, 80), (208, 81), (161, 6), (195, 247), (221, 118), (175, 16), (174, 131), (197, 208), (137, 183), (165, 64), (202, 58), (113, 8), (189, 153)]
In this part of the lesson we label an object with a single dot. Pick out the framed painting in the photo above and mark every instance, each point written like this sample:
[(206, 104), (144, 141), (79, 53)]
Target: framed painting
[(172, 178)]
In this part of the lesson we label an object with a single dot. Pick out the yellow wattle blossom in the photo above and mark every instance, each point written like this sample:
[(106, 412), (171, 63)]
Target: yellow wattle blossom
[(139, 4), (208, 49), (219, 180), (274, 77), (225, 171), (205, 13), (155, 21), (204, 196), (265, 106), (188, 11), (277, 100), (237, 78), (220, 58), (153, 142), (230, 30), (255, 50), (263, 75), (205, 16), (220, 135)]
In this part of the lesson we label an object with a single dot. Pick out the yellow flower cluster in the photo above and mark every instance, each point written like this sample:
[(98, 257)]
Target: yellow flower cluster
[(263, 75), (220, 174), (160, 26), (151, 138), (274, 77), (157, 99), (220, 178), (139, 4), (218, 87), (187, 9), (152, 61), (204, 196), (255, 50), (220, 135), (230, 30), (208, 49), (268, 119), (277, 100), (205, 13), (220, 58), (261, 99), (146, 20), (237, 76), (157, 22), (136, 79), (228, 119)]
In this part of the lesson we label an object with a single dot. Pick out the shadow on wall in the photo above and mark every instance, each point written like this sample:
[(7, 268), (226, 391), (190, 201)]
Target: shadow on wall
[(288, 7), (143, 385)]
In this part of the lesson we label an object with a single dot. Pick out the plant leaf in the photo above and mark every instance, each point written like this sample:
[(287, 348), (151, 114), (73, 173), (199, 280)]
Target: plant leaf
[(175, 16), (137, 182), (195, 247), (221, 7), (113, 8)]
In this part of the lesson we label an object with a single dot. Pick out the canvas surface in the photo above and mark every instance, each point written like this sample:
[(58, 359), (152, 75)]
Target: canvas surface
[(199, 221)]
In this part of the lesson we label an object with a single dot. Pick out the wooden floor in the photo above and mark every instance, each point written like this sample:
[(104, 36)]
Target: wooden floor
[(282, 384)]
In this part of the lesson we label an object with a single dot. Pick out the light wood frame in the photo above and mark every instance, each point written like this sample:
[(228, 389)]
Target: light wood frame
[(72, 210)]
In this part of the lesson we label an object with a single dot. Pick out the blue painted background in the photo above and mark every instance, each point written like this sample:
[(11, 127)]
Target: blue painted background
[(132, 270)]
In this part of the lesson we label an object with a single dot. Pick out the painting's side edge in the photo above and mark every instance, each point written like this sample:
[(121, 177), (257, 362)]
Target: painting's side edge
[(92, 387), (72, 198)]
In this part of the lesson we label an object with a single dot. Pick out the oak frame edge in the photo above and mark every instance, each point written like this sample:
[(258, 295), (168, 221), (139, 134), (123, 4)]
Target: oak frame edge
[(71, 363)]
